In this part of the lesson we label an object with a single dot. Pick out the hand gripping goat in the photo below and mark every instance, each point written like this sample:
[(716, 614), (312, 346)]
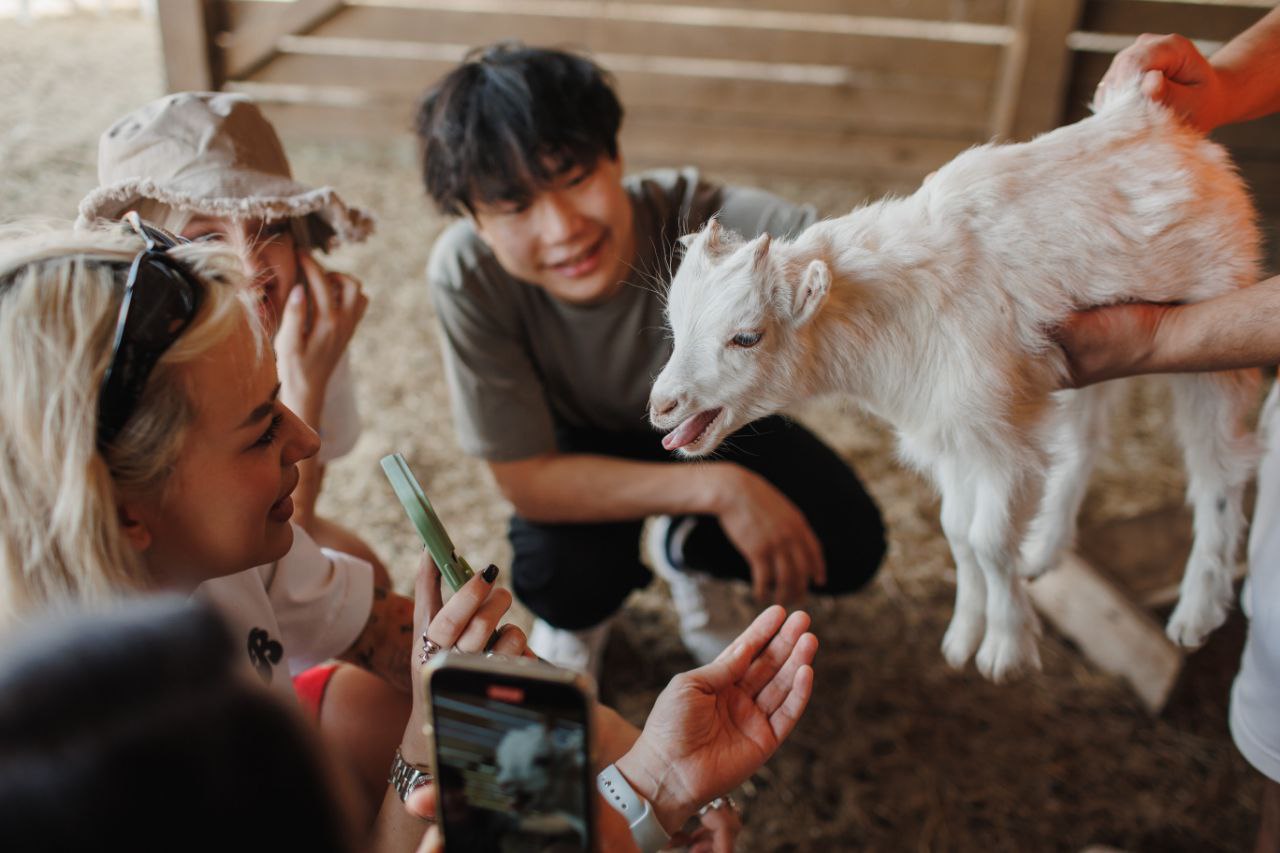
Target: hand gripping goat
[(935, 311)]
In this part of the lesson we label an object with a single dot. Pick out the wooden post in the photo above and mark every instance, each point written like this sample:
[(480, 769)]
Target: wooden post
[(188, 45), (1033, 80), (1113, 632), (258, 28)]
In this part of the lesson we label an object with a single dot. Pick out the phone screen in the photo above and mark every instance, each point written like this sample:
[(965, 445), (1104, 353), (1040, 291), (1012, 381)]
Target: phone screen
[(512, 773)]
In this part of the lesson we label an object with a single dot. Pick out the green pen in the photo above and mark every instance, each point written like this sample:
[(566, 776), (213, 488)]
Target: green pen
[(453, 568)]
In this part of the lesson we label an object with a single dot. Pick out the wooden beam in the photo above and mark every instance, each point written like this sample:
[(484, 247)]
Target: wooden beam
[(1033, 81), (863, 52), (970, 11), (1112, 631), (254, 30), (649, 139), (1086, 42), (695, 15), (676, 85), (186, 39)]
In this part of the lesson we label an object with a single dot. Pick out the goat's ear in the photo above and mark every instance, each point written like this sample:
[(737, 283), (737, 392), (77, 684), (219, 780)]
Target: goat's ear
[(713, 235), (812, 292), (761, 253)]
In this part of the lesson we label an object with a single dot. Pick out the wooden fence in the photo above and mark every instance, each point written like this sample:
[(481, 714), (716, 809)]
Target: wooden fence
[(881, 90)]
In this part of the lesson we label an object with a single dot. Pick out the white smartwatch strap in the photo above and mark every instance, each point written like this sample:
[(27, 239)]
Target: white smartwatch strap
[(645, 828)]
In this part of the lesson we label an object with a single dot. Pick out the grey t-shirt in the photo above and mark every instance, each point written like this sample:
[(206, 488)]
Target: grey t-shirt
[(520, 362)]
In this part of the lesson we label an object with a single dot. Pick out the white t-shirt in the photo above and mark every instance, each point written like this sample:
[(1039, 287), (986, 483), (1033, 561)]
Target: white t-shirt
[(1255, 696), (308, 607), (339, 417)]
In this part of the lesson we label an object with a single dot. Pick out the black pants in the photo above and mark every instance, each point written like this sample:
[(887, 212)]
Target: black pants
[(575, 576)]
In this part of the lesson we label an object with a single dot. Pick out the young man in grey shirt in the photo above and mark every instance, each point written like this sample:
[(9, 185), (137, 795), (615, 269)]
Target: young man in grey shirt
[(549, 290)]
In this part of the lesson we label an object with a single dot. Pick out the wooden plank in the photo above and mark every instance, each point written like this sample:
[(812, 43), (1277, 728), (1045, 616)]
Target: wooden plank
[(1035, 77), (971, 11), (740, 70), (1115, 634), (691, 14), (653, 141), (768, 102), (782, 151), (1112, 43), (856, 51), (253, 29), (185, 36), (1198, 20)]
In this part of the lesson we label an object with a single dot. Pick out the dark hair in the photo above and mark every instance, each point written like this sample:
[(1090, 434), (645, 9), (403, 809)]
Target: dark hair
[(511, 120), (133, 730)]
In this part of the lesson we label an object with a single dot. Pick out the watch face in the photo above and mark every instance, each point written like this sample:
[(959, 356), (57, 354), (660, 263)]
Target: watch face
[(512, 773)]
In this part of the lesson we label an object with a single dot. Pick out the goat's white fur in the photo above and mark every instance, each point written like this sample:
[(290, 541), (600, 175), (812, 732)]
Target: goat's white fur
[(541, 769), (935, 312)]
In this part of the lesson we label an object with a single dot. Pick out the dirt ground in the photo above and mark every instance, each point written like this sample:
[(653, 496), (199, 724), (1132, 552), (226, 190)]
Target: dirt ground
[(897, 752)]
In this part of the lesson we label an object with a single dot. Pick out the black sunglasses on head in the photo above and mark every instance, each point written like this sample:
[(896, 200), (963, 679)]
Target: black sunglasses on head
[(161, 298)]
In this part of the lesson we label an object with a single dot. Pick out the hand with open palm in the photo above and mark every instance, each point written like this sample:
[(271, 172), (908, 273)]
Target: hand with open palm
[(712, 727)]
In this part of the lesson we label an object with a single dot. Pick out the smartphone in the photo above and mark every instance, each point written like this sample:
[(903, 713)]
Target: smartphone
[(511, 754), (455, 570)]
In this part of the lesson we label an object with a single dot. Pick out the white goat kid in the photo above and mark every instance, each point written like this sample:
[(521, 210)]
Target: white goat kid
[(935, 311), (541, 770)]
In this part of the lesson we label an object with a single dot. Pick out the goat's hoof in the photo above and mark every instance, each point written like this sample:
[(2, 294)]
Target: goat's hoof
[(961, 640), (1194, 620), (1006, 655)]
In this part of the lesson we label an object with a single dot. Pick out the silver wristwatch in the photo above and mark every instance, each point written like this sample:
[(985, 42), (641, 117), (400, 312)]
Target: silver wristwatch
[(405, 777)]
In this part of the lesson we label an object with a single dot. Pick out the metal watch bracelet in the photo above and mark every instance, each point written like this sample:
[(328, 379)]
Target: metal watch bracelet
[(404, 777)]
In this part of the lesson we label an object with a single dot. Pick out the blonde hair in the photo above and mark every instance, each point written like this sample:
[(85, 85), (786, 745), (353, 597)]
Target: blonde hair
[(60, 295)]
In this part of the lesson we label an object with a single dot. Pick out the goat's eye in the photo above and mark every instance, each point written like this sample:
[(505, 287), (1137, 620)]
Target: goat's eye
[(746, 340)]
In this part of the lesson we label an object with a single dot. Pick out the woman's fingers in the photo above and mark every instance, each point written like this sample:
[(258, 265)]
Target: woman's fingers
[(421, 802), (783, 720), (478, 632), (774, 694), (734, 661), (769, 662), (511, 642), (317, 282), (353, 296), (451, 620)]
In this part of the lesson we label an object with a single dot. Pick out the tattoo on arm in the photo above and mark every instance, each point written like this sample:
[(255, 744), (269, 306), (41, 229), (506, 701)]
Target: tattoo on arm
[(385, 646)]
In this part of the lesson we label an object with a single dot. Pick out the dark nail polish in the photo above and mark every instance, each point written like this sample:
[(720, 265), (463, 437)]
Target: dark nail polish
[(490, 574)]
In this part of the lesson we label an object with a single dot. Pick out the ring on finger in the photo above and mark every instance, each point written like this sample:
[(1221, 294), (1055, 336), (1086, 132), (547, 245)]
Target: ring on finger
[(725, 802), (429, 648)]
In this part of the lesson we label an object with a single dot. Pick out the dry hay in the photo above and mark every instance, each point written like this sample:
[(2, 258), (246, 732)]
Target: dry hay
[(897, 752)]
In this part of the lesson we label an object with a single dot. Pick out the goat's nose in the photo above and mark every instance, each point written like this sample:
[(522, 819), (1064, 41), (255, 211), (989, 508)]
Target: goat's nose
[(661, 407)]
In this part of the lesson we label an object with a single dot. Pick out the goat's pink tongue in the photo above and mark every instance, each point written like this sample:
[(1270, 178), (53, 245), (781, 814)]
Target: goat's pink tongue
[(689, 431)]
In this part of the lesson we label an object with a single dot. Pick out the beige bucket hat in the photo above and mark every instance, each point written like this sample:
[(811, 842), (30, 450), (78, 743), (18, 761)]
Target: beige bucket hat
[(213, 153)]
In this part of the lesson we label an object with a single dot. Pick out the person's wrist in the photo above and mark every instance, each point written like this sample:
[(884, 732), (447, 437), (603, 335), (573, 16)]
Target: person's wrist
[(1218, 108), (721, 483), (652, 777), (414, 745)]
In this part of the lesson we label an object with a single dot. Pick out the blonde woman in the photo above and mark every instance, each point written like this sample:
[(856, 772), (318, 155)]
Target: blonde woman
[(144, 448), (209, 166)]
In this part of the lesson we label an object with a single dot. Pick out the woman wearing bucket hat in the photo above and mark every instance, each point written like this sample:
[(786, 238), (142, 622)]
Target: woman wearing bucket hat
[(209, 166)]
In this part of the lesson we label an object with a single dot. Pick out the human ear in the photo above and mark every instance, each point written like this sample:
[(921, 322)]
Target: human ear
[(136, 531)]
